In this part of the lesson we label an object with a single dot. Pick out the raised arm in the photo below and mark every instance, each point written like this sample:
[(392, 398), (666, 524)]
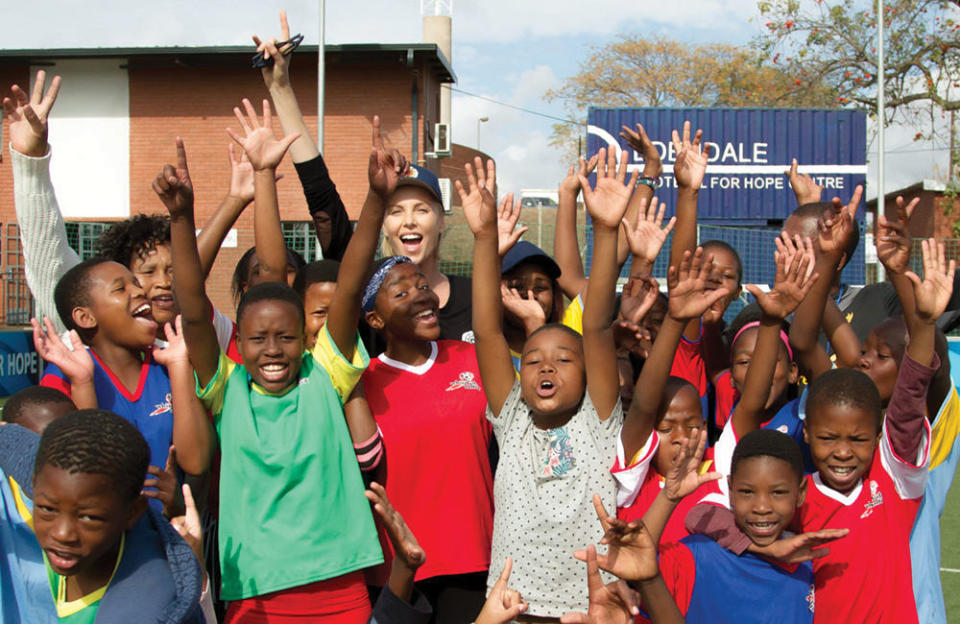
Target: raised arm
[(384, 168), (566, 247), (174, 188), (806, 190), (645, 233), (46, 253), (493, 354), (643, 193), (843, 340), (606, 204), (238, 197)]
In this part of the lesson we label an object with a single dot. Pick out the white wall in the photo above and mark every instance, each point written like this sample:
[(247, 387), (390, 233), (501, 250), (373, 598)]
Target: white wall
[(90, 138)]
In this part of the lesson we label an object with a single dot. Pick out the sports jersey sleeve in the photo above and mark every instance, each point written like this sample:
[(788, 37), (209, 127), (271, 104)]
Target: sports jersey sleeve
[(631, 473), (727, 397), (679, 572), (343, 374), (573, 315), (717, 523), (54, 378), (905, 444), (224, 328), (212, 395), (945, 429), (688, 363)]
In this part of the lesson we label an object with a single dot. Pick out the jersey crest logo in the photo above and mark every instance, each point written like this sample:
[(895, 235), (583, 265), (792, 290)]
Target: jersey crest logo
[(810, 599), (783, 428), (162, 408), (876, 499), (464, 382)]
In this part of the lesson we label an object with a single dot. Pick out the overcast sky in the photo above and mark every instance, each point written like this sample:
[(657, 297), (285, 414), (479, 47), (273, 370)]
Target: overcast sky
[(510, 51)]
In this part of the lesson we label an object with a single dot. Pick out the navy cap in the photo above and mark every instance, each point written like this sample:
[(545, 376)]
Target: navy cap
[(424, 178), (525, 251)]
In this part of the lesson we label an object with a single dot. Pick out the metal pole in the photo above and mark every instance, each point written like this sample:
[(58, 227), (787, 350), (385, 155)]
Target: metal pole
[(321, 74), (881, 196)]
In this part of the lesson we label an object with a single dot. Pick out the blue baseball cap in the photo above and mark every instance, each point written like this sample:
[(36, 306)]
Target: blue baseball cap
[(525, 251), (424, 178)]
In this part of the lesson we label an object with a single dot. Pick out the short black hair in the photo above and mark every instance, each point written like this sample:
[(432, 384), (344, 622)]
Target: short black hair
[(96, 441), (271, 291), (670, 389), (241, 273), (14, 408), (560, 326), (816, 210), (768, 443), (73, 290), (720, 244), (844, 386), (316, 272), (133, 238)]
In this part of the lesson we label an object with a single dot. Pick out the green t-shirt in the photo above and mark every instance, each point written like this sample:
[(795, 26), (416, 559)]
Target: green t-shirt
[(83, 610), (292, 509)]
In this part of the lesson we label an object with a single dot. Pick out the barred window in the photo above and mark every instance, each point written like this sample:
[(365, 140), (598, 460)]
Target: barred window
[(83, 235), (301, 237)]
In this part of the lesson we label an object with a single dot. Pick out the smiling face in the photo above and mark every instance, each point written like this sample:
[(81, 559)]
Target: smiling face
[(316, 304), (784, 375), (881, 354), (270, 341), (154, 271), (842, 441), (526, 278), (764, 495), (726, 274), (118, 310), (552, 375), (682, 420), (406, 308), (78, 520), (413, 223)]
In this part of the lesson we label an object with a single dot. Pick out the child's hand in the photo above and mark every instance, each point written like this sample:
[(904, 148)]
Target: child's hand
[(934, 290), (405, 545), (631, 553), (806, 190), (571, 183), (639, 295), (241, 176), (647, 237), (526, 309), (507, 231), (683, 477), (893, 238), (691, 163), (77, 364), (176, 350), (277, 76), (262, 147), (479, 205), (836, 229), (689, 296), (28, 116), (792, 282), (803, 547), (503, 605), (188, 525), (638, 142), (386, 166), (165, 482), (614, 603), (607, 203), (173, 185)]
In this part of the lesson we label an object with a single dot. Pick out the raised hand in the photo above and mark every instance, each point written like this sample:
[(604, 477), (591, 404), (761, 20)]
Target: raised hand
[(278, 75), (934, 290), (893, 238), (802, 547), (688, 288), (188, 525), (405, 545), (631, 553), (386, 166), (571, 183), (173, 185), (683, 476), (477, 200), (27, 116), (241, 175), (639, 142), (503, 604), (607, 203), (263, 149), (527, 309), (165, 484), (792, 281), (837, 226), (507, 231), (639, 295), (77, 364), (646, 238), (691, 162), (609, 604), (806, 190), (176, 350)]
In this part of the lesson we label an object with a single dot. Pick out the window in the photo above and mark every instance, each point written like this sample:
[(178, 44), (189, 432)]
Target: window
[(83, 235), (301, 237)]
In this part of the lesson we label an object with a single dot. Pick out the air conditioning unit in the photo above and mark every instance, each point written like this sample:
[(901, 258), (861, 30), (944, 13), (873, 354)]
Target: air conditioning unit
[(445, 189), (441, 139)]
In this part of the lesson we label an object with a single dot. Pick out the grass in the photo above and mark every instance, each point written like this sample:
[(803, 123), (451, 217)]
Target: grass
[(950, 554)]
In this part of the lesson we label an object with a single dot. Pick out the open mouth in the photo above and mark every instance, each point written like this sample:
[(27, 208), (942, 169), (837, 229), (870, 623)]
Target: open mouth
[(144, 315), (842, 474), (274, 372), (426, 317), (767, 528), (61, 560), (411, 242), (546, 389), (163, 302)]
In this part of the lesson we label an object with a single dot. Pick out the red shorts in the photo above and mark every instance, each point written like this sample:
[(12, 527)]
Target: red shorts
[(340, 600)]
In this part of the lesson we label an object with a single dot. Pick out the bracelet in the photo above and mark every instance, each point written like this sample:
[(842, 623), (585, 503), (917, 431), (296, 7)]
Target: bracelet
[(653, 183)]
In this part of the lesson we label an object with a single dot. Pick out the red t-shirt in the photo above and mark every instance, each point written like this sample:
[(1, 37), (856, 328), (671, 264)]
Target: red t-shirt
[(727, 397), (436, 438), (688, 364), (866, 577)]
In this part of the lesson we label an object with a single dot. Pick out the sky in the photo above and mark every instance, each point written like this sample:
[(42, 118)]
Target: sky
[(509, 51)]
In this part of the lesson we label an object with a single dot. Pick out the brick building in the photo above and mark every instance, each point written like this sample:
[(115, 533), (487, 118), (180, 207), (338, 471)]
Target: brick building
[(119, 110)]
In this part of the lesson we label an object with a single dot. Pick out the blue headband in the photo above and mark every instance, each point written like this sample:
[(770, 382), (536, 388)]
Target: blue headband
[(376, 281)]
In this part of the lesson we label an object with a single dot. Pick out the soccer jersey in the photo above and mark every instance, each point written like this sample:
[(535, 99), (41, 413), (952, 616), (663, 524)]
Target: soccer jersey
[(726, 397), (688, 364), (711, 584), (866, 576), (148, 407), (573, 314), (296, 511), (83, 610), (436, 437)]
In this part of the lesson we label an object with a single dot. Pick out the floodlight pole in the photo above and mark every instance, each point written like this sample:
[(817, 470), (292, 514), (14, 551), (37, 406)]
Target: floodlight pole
[(881, 196), (321, 74)]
